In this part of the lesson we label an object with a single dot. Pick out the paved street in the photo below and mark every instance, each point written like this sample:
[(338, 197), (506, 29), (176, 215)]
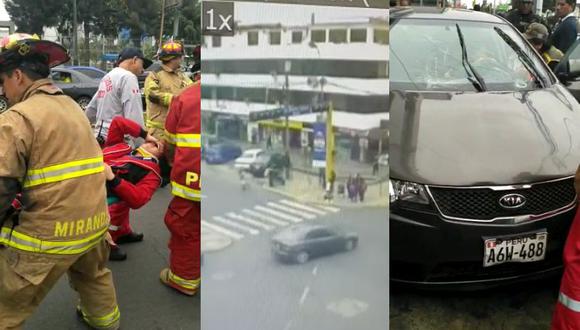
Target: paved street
[(144, 302), (528, 306), (254, 291)]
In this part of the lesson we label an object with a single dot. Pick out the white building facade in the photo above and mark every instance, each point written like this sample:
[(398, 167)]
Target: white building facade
[(262, 67)]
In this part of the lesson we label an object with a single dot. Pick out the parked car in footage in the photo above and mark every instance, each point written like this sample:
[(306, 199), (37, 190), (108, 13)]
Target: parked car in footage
[(251, 159), (75, 84), (482, 154), (221, 153)]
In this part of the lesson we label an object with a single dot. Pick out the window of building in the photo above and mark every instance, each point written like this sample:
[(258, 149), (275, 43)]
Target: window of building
[(253, 38), (358, 35), (337, 36), (297, 37), (275, 37), (381, 37), (216, 41), (318, 36)]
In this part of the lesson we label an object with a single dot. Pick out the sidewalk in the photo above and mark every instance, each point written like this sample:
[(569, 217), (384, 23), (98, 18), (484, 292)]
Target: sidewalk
[(213, 241), (306, 188), (343, 165)]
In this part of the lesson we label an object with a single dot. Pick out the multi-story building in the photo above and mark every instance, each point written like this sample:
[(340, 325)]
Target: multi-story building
[(263, 67)]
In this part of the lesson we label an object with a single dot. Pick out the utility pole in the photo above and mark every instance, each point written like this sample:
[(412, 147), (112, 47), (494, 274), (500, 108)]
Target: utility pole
[(75, 29), (162, 22), (329, 143), (287, 68)]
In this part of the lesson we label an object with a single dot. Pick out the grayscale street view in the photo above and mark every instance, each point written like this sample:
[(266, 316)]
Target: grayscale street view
[(294, 216)]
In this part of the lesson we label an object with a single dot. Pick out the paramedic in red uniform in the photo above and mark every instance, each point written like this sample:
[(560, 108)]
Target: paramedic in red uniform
[(133, 176), (183, 218), (567, 312)]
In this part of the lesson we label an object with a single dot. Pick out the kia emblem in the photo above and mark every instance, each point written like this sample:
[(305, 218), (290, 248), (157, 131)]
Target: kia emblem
[(512, 201)]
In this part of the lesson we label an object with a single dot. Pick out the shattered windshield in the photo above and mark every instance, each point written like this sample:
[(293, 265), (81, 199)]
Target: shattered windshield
[(428, 55)]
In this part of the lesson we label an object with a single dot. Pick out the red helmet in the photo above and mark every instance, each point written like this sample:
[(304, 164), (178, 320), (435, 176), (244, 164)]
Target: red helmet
[(170, 50), (18, 46)]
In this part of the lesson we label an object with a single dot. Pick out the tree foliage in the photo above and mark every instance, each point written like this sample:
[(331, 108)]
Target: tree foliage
[(32, 16), (106, 18)]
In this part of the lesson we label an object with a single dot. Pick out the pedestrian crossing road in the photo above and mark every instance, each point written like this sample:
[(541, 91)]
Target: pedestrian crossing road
[(264, 218)]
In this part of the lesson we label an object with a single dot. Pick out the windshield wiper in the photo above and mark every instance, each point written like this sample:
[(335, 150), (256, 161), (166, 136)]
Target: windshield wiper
[(477, 82), (521, 55)]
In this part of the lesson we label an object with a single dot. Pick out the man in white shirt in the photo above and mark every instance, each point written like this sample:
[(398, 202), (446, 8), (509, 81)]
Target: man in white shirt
[(119, 93)]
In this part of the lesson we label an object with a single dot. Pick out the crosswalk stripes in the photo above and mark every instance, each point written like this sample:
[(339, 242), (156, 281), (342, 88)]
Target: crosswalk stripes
[(292, 211), (302, 206), (249, 221), (278, 214), (265, 217), (236, 225), (330, 208), (222, 230)]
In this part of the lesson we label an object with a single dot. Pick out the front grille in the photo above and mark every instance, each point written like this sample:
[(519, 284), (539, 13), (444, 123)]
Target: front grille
[(483, 203)]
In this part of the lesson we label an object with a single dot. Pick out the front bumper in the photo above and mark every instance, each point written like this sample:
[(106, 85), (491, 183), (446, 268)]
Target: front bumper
[(430, 251)]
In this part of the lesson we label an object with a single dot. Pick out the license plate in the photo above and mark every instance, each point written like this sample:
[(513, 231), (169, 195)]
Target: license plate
[(522, 248)]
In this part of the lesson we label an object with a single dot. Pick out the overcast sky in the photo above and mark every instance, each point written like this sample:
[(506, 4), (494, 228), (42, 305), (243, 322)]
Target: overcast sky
[(3, 14)]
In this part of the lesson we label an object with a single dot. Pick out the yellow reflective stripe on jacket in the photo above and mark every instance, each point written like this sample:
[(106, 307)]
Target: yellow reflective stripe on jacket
[(24, 242), (569, 302), (64, 171), (167, 99), (104, 321), (185, 192), (154, 124), (184, 140), (188, 284)]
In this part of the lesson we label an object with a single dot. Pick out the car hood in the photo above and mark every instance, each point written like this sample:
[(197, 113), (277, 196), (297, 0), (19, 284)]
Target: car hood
[(490, 138)]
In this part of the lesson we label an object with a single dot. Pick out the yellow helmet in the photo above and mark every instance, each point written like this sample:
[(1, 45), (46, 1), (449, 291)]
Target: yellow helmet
[(18, 46), (170, 50)]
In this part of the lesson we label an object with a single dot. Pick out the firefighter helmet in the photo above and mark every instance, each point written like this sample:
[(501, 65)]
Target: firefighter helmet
[(170, 50), (17, 47)]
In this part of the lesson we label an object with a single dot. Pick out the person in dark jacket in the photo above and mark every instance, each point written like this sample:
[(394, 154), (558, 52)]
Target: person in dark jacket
[(565, 31), (523, 16), (133, 176)]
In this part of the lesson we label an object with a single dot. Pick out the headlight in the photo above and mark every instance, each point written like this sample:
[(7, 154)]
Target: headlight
[(408, 192)]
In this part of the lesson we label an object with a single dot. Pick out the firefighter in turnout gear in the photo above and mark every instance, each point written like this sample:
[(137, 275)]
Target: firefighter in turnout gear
[(160, 88), (133, 176), (164, 84), (51, 158), (183, 217)]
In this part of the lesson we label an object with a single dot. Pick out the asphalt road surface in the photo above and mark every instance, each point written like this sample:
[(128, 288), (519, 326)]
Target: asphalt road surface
[(244, 287), (145, 303), (527, 306)]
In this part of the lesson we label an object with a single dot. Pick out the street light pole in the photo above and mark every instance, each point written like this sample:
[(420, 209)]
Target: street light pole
[(287, 68), (329, 143), (75, 29)]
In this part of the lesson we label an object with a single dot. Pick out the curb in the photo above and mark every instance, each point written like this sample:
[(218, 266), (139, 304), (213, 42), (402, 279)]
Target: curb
[(371, 180), (344, 205), (216, 242)]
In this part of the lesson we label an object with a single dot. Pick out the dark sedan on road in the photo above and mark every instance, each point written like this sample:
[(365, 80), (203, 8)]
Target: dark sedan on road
[(484, 144), (300, 243), (75, 84)]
